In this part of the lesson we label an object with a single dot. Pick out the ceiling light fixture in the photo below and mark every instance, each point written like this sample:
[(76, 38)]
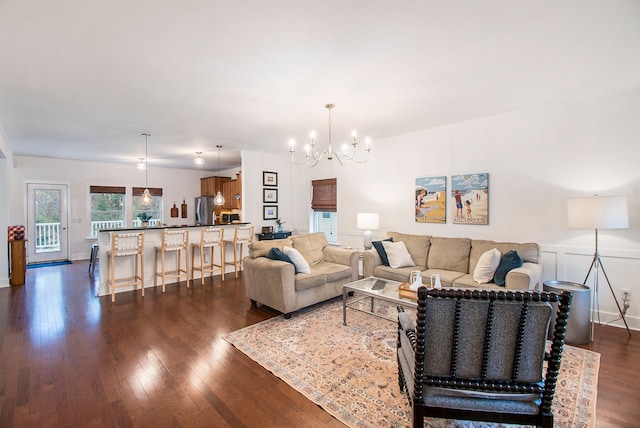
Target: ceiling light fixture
[(146, 195), (219, 199), (198, 160), (141, 164), (312, 156)]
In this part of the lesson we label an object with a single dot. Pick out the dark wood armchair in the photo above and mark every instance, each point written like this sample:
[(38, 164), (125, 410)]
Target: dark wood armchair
[(479, 355)]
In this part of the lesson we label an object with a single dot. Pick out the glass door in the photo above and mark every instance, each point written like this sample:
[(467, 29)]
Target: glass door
[(47, 214)]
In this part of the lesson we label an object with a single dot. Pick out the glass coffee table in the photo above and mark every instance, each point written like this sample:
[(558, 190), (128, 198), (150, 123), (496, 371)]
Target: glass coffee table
[(373, 288)]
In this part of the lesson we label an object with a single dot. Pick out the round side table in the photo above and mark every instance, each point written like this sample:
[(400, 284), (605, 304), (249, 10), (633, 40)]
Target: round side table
[(579, 326)]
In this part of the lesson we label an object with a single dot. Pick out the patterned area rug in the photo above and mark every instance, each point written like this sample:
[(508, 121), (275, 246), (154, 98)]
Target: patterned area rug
[(351, 371)]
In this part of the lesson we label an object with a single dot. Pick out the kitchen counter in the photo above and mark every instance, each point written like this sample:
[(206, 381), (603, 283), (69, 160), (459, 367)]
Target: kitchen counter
[(153, 237)]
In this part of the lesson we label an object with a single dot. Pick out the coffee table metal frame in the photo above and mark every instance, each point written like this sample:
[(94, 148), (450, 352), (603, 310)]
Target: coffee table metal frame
[(364, 287)]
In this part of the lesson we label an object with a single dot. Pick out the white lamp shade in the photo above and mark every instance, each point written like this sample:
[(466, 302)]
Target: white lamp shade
[(368, 221), (608, 212)]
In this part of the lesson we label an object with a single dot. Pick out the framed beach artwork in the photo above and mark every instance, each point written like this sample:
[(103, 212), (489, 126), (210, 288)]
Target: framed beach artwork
[(470, 198), (431, 199)]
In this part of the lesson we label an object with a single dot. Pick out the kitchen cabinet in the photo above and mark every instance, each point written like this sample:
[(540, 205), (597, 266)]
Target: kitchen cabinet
[(232, 192), (209, 186)]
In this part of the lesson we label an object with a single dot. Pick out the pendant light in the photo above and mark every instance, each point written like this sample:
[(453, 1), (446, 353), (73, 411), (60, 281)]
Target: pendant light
[(219, 199), (146, 195)]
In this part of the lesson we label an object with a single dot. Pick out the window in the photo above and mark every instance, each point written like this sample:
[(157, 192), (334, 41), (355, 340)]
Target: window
[(107, 208), (154, 209), (325, 210)]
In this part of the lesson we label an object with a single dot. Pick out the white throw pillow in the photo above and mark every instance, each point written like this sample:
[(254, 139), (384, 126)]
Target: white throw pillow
[(486, 267), (298, 261), (397, 254)]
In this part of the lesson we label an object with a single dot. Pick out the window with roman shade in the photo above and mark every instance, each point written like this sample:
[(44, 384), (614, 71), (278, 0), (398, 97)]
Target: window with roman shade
[(324, 216), (154, 209), (107, 208)]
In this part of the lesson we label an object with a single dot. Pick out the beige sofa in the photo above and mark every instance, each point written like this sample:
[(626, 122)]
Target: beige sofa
[(274, 283), (455, 260)]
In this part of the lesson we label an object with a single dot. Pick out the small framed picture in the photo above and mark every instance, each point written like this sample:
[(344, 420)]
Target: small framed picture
[(270, 196), (269, 178), (269, 212)]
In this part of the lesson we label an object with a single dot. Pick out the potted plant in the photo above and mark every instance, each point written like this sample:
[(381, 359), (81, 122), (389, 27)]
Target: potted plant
[(144, 218), (280, 223)]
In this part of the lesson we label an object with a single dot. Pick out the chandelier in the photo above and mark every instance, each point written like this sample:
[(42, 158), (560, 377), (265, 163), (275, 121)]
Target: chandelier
[(313, 156)]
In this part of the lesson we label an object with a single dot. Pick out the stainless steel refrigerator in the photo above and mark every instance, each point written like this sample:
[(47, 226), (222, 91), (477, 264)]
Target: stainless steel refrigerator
[(205, 210)]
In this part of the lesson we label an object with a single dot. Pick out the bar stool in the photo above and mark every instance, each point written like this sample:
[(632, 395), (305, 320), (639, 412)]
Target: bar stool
[(242, 235), (210, 238), (95, 249), (172, 241), (129, 244)]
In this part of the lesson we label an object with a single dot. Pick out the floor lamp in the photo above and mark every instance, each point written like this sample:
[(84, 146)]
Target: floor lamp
[(599, 213)]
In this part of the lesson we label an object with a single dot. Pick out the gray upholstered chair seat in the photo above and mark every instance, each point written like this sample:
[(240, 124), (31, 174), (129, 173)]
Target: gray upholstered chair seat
[(480, 355)]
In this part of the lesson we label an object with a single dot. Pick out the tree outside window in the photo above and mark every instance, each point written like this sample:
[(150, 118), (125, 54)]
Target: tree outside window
[(107, 208)]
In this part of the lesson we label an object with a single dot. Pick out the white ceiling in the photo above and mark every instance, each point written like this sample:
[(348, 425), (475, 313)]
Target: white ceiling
[(84, 79)]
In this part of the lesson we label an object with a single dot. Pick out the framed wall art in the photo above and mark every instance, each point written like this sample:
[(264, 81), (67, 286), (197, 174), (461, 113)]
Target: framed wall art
[(269, 178), (430, 199), (269, 212), (470, 198), (270, 196)]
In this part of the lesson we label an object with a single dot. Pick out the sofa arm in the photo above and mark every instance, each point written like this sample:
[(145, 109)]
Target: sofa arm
[(370, 259), (270, 282), (342, 256), (527, 277)]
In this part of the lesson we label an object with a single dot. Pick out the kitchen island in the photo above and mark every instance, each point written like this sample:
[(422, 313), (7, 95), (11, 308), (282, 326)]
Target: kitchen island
[(152, 238)]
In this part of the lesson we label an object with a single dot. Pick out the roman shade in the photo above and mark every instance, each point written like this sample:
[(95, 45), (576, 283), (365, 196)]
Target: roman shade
[(155, 191), (120, 190), (324, 195)]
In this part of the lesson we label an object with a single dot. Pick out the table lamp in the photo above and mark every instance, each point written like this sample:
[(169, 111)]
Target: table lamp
[(607, 212), (368, 222)]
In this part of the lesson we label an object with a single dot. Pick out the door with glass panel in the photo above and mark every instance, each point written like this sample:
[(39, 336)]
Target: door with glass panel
[(47, 219)]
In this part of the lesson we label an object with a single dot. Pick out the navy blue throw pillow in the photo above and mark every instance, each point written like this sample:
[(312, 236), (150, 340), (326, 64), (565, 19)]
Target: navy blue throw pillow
[(510, 260), (277, 254), (381, 252)]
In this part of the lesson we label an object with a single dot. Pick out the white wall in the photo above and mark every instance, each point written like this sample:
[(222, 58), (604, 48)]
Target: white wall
[(79, 175), (6, 159), (536, 160)]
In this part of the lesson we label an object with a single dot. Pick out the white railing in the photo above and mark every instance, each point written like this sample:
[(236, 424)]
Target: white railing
[(96, 226), (47, 237), (105, 224)]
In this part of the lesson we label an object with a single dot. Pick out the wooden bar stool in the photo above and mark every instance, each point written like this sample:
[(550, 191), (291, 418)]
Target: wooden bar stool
[(129, 244), (242, 235), (172, 241), (210, 239)]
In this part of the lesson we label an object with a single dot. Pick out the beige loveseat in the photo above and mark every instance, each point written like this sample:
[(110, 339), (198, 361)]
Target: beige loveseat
[(455, 260), (274, 283)]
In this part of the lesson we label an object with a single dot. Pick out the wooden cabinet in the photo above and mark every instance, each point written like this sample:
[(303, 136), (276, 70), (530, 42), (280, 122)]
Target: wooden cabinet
[(232, 192), (18, 266), (209, 186)]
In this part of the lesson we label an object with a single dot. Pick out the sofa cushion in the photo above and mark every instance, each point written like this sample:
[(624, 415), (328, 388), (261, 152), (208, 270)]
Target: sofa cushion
[(298, 260), (417, 245), (449, 254), (467, 281), (530, 252), (381, 252), (486, 266), (333, 271), (447, 277), (304, 281), (262, 248), (398, 254), (509, 261), (398, 274), (310, 246)]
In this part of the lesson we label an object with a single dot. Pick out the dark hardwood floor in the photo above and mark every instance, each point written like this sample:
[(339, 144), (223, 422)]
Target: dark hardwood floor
[(70, 359)]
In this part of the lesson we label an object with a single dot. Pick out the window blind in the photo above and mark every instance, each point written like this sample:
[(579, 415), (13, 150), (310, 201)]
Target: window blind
[(324, 195)]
